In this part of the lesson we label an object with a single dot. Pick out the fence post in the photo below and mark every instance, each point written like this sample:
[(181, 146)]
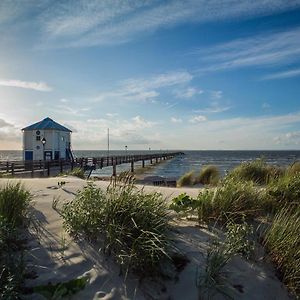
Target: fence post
[(12, 169), (114, 168), (151, 159), (101, 163), (72, 165), (48, 168), (132, 165), (143, 163), (61, 166), (7, 167)]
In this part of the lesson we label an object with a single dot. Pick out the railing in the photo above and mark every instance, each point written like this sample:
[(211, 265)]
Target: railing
[(47, 168)]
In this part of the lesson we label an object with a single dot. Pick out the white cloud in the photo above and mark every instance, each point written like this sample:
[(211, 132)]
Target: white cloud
[(288, 139), (213, 109), (112, 115), (82, 23), (176, 120), (188, 92), (198, 119), (216, 94), (266, 49), (283, 75), (38, 86), (143, 90), (64, 100)]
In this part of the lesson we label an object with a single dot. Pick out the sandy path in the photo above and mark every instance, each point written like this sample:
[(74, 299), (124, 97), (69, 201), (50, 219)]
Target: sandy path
[(57, 258)]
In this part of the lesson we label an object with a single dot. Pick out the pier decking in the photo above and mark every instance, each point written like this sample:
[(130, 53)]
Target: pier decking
[(54, 167)]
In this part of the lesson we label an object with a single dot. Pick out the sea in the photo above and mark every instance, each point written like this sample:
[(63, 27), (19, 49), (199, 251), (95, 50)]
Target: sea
[(194, 160)]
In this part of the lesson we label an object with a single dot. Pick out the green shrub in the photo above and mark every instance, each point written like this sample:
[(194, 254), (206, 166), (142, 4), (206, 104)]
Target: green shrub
[(283, 243), (293, 169), (77, 172), (186, 180), (231, 201), (132, 225), (238, 238), (284, 191), (257, 171), (208, 175), (14, 202)]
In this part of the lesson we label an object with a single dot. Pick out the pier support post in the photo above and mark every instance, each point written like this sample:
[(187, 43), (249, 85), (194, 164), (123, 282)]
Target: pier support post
[(132, 166), (101, 163), (143, 163), (156, 159), (151, 160), (12, 169)]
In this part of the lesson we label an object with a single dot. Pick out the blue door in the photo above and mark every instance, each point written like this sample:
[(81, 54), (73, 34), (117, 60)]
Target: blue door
[(28, 155)]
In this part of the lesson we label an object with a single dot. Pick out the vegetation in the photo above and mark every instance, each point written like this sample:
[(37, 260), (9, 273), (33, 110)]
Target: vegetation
[(186, 180), (208, 175), (283, 243), (133, 226), (14, 202), (293, 169), (257, 171), (77, 172)]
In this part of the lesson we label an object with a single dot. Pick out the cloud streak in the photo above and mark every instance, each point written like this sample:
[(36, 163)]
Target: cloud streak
[(89, 23), (31, 85), (283, 75), (268, 49)]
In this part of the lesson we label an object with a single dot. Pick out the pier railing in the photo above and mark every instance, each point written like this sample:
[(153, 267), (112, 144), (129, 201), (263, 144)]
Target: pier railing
[(40, 168)]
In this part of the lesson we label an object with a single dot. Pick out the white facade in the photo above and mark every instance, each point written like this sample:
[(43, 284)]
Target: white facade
[(57, 144)]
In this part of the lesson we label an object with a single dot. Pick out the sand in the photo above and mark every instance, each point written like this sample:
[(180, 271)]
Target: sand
[(55, 257)]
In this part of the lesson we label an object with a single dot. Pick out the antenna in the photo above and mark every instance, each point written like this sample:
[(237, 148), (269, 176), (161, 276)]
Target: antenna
[(107, 141)]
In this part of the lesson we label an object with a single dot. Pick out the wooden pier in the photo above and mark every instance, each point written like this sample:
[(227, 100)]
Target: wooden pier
[(54, 167)]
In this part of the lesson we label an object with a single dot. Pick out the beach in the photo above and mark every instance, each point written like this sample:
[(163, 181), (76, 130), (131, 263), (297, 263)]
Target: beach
[(56, 257)]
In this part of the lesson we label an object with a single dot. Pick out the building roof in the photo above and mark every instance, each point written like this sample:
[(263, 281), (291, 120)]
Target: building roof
[(47, 124)]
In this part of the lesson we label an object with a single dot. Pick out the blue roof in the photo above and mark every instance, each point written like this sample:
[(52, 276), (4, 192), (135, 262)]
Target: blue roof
[(47, 124)]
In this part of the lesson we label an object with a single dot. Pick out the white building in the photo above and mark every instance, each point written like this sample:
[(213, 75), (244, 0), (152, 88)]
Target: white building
[(46, 140)]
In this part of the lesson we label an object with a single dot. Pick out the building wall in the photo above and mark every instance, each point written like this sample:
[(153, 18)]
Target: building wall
[(56, 141)]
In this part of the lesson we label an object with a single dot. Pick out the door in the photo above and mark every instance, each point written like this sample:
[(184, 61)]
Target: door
[(28, 155)]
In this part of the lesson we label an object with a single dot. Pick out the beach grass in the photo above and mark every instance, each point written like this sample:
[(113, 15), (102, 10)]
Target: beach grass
[(209, 175), (282, 241), (257, 171), (132, 225), (187, 179)]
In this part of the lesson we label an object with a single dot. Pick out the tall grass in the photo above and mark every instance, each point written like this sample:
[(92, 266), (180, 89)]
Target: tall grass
[(257, 171), (282, 192), (283, 243), (132, 225), (293, 169), (231, 201), (188, 179), (14, 202), (208, 175)]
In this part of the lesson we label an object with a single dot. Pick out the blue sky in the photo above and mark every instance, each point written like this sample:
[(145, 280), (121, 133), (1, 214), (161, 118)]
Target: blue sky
[(160, 74)]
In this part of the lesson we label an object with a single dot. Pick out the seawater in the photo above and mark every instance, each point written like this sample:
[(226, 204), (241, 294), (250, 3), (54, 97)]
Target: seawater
[(192, 160)]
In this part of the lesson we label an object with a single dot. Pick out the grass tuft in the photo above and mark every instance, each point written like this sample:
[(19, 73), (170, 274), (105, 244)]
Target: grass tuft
[(132, 225), (257, 171), (208, 175), (186, 180), (283, 243)]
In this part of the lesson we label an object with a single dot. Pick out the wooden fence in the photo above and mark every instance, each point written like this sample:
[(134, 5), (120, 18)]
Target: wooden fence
[(52, 168)]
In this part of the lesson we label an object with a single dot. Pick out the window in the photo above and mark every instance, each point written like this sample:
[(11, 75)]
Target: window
[(38, 132), (38, 137)]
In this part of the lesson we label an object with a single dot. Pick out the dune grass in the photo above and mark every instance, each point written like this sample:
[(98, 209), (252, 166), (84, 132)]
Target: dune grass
[(133, 226), (283, 243), (208, 175), (188, 179), (14, 202), (293, 169), (257, 171), (77, 172)]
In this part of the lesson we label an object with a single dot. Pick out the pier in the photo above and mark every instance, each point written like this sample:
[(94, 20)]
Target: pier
[(47, 168)]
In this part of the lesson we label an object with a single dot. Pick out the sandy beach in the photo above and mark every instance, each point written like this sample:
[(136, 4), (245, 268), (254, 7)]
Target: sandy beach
[(55, 257)]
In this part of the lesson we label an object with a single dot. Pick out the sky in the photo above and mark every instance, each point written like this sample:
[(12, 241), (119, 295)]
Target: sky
[(192, 74)]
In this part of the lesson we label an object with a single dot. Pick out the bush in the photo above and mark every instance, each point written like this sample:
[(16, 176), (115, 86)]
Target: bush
[(132, 225), (14, 201), (77, 172), (283, 243), (208, 175), (186, 180), (257, 171), (284, 191)]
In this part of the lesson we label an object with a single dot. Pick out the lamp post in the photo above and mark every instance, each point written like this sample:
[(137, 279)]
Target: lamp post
[(44, 143)]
